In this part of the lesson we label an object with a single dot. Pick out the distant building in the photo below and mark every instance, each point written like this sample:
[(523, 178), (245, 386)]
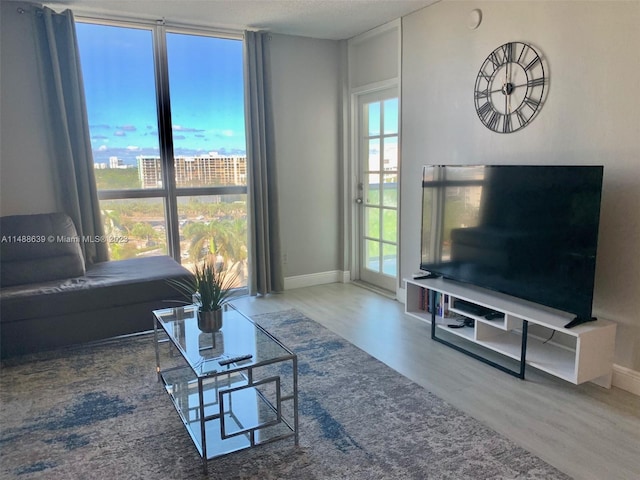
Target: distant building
[(149, 171), (205, 170), (115, 162)]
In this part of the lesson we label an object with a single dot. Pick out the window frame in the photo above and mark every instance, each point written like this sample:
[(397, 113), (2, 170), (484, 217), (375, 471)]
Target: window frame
[(170, 192)]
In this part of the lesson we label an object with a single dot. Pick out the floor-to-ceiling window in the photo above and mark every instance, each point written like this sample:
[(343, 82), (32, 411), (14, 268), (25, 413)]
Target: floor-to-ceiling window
[(166, 115)]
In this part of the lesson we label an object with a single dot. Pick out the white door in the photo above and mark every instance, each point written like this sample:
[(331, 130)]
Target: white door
[(377, 188)]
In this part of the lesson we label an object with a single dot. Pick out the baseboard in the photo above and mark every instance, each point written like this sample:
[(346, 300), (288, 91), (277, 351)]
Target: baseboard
[(299, 281), (626, 379)]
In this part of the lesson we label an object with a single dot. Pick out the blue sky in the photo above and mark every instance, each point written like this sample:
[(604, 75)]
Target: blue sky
[(206, 87)]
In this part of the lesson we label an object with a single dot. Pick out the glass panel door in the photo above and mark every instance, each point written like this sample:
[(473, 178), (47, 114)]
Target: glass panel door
[(378, 188)]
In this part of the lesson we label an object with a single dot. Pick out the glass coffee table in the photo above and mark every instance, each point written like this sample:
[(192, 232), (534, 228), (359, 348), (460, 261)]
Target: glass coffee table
[(234, 388)]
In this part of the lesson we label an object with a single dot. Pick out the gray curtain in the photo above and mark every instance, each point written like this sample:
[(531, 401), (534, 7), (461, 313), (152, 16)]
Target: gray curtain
[(265, 255), (66, 114)]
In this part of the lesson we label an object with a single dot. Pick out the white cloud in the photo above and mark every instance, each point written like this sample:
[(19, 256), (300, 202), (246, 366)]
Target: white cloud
[(222, 133)]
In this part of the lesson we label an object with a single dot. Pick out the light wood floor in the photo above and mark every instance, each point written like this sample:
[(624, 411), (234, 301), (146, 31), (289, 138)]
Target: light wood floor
[(586, 431)]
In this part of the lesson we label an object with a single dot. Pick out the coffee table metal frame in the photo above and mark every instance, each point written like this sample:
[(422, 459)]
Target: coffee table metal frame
[(233, 406)]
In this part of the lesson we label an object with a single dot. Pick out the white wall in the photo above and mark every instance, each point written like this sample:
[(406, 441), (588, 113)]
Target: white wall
[(306, 94), (25, 185), (591, 116), (374, 56)]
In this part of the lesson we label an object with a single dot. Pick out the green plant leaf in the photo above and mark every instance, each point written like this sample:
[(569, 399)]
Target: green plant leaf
[(215, 286)]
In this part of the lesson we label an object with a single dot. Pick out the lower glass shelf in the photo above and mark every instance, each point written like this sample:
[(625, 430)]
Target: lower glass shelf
[(252, 413)]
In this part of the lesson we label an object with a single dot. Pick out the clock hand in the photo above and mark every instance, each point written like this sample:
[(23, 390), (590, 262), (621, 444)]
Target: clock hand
[(506, 74), (513, 87), (504, 87)]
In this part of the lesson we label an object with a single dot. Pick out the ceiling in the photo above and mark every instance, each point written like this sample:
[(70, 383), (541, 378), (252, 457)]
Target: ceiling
[(328, 19)]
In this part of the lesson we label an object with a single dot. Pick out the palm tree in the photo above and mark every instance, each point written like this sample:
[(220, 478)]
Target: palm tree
[(237, 245), (112, 222), (224, 238), (202, 237)]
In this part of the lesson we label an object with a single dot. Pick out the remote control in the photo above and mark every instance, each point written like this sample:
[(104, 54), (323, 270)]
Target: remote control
[(239, 358), (423, 275)]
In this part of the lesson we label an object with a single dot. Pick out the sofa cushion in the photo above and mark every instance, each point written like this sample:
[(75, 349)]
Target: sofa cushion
[(105, 285), (39, 248)]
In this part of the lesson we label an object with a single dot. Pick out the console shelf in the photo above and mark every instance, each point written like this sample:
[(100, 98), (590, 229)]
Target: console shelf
[(577, 355)]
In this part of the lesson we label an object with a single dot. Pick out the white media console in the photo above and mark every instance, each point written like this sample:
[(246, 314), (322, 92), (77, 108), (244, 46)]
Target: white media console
[(530, 333)]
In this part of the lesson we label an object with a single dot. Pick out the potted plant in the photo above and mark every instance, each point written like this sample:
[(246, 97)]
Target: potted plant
[(210, 288)]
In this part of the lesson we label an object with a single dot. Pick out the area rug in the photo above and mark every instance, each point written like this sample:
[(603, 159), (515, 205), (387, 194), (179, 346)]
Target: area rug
[(98, 412)]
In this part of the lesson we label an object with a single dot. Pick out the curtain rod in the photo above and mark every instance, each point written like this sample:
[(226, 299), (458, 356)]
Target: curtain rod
[(29, 8), (92, 17), (97, 17)]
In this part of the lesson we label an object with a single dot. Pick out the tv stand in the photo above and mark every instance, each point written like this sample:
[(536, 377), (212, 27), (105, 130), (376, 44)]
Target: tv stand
[(579, 321), (533, 335)]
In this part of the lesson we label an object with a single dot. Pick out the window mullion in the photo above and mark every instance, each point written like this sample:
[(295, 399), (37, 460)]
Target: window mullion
[(166, 139)]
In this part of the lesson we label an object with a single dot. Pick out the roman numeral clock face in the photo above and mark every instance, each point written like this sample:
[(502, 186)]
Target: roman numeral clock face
[(509, 87)]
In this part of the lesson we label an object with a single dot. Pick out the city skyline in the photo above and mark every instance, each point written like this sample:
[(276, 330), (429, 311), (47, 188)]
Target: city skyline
[(205, 83)]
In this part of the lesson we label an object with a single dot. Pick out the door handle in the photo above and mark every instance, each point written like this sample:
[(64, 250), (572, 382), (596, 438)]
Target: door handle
[(360, 189)]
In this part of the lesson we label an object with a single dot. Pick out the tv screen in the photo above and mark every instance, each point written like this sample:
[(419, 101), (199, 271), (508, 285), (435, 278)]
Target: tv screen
[(527, 231)]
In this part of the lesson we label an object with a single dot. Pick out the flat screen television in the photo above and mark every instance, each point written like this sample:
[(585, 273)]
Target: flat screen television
[(527, 231)]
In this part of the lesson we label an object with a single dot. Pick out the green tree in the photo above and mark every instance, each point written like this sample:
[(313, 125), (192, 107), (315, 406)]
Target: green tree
[(226, 238), (144, 231), (117, 178)]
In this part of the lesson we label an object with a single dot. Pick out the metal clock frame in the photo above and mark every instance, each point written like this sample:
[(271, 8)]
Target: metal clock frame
[(502, 60)]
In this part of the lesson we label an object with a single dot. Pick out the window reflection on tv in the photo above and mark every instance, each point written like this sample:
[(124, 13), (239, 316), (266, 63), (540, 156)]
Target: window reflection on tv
[(526, 231)]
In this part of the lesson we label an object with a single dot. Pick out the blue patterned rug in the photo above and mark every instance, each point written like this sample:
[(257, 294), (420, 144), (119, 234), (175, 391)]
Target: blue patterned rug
[(98, 412)]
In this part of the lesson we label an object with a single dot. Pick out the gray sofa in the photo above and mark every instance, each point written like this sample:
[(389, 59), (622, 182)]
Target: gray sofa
[(49, 299)]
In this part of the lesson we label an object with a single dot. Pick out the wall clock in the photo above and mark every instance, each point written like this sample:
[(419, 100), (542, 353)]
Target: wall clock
[(509, 87)]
